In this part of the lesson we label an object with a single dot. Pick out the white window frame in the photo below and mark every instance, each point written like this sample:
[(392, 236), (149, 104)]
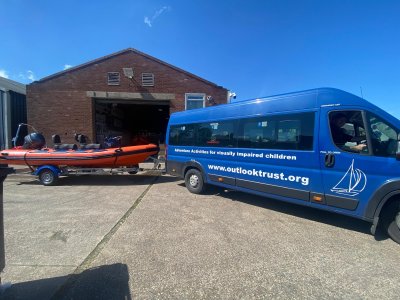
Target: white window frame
[(113, 82), (187, 95)]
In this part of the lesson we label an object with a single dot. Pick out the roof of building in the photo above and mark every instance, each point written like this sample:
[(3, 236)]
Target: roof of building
[(11, 85), (98, 60)]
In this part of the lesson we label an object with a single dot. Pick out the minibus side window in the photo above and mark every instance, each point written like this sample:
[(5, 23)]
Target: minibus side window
[(258, 133), (216, 134), (285, 132), (182, 135), (383, 136), (289, 132), (348, 132)]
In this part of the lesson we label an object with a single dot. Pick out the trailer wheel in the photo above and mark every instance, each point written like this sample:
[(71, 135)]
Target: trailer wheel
[(135, 169), (391, 221), (194, 181), (47, 177)]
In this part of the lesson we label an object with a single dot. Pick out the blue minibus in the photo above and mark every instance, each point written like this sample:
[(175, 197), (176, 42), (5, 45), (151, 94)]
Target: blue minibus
[(323, 148)]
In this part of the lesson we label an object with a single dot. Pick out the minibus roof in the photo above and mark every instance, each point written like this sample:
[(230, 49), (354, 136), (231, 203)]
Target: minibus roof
[(308, 100)]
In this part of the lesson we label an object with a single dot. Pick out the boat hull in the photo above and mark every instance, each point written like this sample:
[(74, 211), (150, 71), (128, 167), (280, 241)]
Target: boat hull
[(112, 157)]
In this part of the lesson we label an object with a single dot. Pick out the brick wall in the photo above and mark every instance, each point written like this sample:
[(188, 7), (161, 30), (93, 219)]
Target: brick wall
[(59, 104)]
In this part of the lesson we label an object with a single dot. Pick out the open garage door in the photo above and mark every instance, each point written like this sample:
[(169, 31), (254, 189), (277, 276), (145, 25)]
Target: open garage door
[(138, 122)]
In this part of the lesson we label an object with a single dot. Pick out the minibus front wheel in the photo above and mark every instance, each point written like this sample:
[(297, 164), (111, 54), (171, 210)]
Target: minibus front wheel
[(392, 220), (194, 181)]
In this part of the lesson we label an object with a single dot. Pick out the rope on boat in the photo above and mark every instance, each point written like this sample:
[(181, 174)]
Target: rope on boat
[(26, 161), (117, 151)]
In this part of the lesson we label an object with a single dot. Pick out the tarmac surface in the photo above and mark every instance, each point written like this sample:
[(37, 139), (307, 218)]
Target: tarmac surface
[(145, 236)]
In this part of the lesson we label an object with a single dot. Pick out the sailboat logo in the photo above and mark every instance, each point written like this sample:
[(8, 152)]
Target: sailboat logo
[(352, 183)]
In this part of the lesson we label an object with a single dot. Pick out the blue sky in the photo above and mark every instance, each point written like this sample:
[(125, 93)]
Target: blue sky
[(252, 47)]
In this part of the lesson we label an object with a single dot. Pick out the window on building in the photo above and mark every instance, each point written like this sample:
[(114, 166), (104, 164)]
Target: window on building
[(193, 101), (113, 78), (147, 79)]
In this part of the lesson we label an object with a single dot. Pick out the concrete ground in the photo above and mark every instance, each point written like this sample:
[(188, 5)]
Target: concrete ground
[(146, 237)]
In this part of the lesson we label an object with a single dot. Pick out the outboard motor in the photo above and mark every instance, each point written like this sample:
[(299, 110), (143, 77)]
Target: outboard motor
[(34, 140)]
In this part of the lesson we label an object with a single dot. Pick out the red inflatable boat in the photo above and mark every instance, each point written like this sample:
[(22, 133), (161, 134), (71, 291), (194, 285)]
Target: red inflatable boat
[(96, 158), (71, 159)]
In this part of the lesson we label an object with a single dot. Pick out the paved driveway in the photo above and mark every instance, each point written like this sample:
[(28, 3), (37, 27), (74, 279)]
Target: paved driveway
[(146, 237)]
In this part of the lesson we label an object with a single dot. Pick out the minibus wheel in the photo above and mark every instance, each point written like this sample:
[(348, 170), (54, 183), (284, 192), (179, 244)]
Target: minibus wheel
[(194, 181), (392, 221)]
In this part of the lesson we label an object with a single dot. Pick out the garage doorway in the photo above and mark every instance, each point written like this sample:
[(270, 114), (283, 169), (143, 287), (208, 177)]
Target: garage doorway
[(137, 122)]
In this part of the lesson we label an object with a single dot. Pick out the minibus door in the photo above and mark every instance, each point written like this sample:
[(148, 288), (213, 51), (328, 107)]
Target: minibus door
[(344, 159)]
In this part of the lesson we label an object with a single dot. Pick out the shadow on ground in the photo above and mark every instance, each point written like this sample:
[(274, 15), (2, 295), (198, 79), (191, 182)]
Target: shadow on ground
[(300, 211), (104, 282), (100, 180)]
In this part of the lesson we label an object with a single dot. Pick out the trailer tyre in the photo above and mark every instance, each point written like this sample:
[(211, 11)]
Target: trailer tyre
[(392, 221), (135, 169), (194, 181), (48, 177)]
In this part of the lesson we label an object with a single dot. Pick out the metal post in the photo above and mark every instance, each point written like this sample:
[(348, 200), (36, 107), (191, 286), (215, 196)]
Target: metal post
[(3, 126), (7, 120), (4, 171)]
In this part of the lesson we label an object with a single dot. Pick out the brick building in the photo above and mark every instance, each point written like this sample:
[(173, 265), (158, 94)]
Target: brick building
[(128, 93)]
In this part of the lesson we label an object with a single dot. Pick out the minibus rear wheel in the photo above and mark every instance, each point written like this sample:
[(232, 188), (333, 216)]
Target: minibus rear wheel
[(194, 181), (392, 220)]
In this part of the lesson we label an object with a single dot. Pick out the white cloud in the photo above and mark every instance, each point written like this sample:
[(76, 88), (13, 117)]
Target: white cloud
[(66, 66), (3, 73), (160, 11), (31, 76), (28, 75), (149, 21)]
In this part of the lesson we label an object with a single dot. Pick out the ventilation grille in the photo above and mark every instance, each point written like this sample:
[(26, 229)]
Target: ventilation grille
[(113, 78), (147, 79)]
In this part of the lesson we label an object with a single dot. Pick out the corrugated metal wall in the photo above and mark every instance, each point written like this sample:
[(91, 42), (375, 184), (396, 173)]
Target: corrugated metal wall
[(15, 112)]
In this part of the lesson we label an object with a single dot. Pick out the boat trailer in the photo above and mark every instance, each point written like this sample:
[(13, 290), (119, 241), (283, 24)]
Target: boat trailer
[(49, 174)]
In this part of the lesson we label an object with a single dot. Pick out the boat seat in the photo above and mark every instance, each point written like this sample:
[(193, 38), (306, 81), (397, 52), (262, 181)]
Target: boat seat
[(58, 146), (82, 140), (56, 139), (67, 147), (90, 146)]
